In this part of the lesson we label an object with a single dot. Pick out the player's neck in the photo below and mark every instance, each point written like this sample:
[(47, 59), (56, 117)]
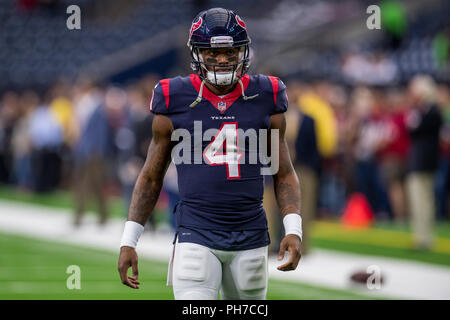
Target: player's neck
[(220, 90)]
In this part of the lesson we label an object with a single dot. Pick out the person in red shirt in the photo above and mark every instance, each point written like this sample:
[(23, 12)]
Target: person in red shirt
[(393, 154)]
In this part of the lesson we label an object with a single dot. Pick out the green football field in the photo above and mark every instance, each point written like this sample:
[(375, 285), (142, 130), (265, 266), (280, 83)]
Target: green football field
[(32, 268), (384, 238)]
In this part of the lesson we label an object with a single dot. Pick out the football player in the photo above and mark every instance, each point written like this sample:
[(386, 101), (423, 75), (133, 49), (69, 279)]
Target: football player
[(221, 242)]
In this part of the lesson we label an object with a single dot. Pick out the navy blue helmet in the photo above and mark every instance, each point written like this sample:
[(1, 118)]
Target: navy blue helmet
[(219, 28)]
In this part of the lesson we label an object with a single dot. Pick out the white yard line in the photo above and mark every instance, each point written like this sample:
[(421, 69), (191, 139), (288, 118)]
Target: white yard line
[(403, 279)]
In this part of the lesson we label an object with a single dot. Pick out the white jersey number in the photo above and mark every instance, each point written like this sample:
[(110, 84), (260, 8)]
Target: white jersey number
[(214, 154)]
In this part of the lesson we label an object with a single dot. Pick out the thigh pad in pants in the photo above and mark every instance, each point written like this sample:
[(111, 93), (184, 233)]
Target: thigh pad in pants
[(196, 272)]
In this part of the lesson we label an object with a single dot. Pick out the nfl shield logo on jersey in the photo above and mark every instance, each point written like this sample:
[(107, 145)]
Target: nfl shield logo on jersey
[(222, 106)]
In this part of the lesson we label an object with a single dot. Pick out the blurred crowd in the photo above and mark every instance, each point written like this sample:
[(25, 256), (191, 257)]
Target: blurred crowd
[(388, 144), (82, 137)]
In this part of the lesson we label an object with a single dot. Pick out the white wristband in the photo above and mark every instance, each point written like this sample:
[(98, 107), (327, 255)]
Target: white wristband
[(131, 234), (293, 224)]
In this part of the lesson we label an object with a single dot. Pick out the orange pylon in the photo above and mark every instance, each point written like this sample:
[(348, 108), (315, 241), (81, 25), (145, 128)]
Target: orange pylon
[(358, 212)]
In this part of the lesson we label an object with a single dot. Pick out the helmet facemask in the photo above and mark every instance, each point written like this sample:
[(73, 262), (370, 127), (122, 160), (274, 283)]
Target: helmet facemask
[(211, 73)]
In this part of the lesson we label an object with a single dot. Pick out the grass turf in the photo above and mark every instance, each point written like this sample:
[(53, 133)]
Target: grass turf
[(32, 268), (383, 239), (65, 200), (58, 199), (376, 241)]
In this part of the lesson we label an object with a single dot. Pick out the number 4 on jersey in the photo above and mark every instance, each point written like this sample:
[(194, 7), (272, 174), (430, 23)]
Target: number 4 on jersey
[(226, 137)]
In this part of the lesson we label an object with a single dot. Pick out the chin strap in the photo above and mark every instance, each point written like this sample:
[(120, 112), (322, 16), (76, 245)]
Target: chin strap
[(243, 94), (199, 97), (200, 94)]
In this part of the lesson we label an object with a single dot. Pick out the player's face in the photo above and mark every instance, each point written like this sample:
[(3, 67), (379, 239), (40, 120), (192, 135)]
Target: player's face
[(221, 57)]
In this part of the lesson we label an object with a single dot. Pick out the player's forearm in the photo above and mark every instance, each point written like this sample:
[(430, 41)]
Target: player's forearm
[(286, 183), (145, 196), (287, 192), (149, 183)]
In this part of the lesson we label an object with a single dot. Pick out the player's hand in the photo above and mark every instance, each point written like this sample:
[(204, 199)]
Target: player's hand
[(128, 258), (291, 243)]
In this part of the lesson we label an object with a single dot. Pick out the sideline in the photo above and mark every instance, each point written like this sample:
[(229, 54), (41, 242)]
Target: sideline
[(403, 279)]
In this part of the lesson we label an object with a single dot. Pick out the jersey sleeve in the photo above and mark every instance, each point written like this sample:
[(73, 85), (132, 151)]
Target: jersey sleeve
[(159, 103), (280, 99)]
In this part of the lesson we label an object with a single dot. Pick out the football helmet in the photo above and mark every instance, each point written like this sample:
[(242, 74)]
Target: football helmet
[(219, 28)]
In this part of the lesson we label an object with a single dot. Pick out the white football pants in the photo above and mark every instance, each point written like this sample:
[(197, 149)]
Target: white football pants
[(200, 273)]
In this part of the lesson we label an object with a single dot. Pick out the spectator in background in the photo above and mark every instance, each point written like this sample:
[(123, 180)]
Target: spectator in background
[(21, 141), (46, 139), (442, 183), (423, 122), (86, 99), (306, 158), (313, 103), (134, 139), (367, 134), (9, 106), (393, 152), (93, 150), (62, 107), (333, 182), (307, 166)]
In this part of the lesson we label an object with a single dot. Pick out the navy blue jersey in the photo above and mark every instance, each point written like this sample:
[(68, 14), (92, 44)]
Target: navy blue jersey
[(218, 195)]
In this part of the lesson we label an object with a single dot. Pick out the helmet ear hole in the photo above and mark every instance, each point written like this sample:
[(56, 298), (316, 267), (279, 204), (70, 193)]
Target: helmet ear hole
[(195, 62), (196, 56)]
